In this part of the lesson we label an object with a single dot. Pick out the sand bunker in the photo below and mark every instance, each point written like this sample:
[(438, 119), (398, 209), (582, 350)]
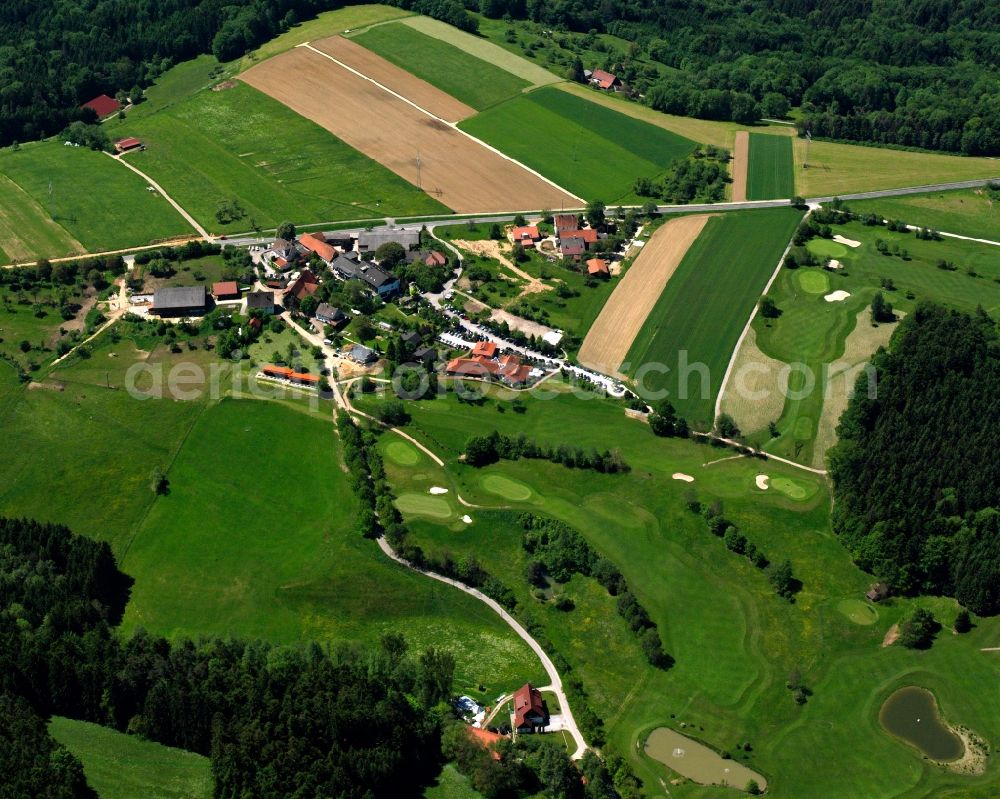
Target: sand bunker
[(438, 490), (837, 296), (846, 242), (681, 476), (762, 481), (467, 519), (834, 264)]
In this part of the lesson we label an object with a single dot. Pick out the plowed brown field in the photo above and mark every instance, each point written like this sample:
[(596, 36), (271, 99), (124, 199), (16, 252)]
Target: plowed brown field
[(741, 162)]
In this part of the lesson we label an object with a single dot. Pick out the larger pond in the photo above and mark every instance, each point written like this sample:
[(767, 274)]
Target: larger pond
[(911, 713), (698, 762)]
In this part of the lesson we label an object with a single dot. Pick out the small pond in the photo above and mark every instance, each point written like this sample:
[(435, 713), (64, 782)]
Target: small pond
[(697, 762), (911, 713)]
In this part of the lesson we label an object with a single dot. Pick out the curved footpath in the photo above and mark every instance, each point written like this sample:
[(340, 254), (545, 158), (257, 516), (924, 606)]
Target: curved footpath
[(555, 684)]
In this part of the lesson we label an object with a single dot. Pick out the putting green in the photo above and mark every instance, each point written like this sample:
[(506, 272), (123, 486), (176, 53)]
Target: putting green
[(401, 453), (505, 487), (812, 281), (825, 248), (858, 611), (424, 505), (792, 488)]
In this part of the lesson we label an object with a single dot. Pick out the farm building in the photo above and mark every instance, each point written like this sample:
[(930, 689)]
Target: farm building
[(526, 235), (566, 222), (362, 354), (329, 315), (484, 349), (529, 709), (605, 81), (598, 267), (179, 301), (303, 286), (573, 247), (374, 277), (589, 235), (316, 242), (129, 143), (226, 290), (261, 301), (369, 241), (103, 106)]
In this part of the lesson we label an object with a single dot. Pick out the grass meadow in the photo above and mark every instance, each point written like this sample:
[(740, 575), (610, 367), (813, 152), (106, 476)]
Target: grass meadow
[(240, 144), (967, 212), (770, 174), (706, 304), (94, 201), (734, 641), (589, 149), (120, 766), (475, 82)]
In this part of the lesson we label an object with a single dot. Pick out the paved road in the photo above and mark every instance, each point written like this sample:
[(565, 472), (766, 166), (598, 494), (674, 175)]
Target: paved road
[(555, 681), (874, 195)]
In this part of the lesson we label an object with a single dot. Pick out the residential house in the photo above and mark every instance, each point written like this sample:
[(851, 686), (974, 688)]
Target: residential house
[(261, 301), (427, 257), (370, 240), (362, 354), (179, 301), (329, 315), (316, 243), (226, 290), (527, 235), (512, 371), (598, 267), (605, 81), (566, 222), (281, 255), (573, 248), (529, 709), (425, 355), (374, 277), (410, 339), (484, 349), (305, 285)]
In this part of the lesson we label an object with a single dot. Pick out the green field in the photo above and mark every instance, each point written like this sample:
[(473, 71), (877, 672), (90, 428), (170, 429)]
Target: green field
[(770, 174), (61, 183), (119, 766), (702, 311), (584, 147), (734, 641), (26, 230), (240, 144), (475, 82), (967, 212)]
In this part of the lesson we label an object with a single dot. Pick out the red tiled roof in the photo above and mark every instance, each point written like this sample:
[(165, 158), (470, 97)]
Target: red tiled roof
[(598, 266), (302, 377), (435, 259), (127, 143), (566, 222), (485, 348), (472, 367), (315, 244), (573, 246), (225, 288), (486, 739), (527, 232), (527, 701), (603, 79), (277, 371), (102, 105), (588, 234), (305, 285)]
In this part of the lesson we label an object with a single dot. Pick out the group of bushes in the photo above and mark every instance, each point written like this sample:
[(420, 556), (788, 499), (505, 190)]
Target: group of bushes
[(701, 177), (484, 450)]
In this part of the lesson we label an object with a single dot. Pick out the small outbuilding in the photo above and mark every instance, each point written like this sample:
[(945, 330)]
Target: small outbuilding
[(127, 144), (226, 290), (598, 267)]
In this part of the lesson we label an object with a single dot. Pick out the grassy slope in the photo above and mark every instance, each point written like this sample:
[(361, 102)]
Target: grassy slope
[(475, 82), (734, 641), (707, 302), (120, 766), (967, 212), (25, 228), (120, 214), (220, 145), (452, 784), (584, 147), (770, 175)]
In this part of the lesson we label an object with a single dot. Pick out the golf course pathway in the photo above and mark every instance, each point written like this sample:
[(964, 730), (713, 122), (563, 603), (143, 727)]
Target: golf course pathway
[(555, 686)]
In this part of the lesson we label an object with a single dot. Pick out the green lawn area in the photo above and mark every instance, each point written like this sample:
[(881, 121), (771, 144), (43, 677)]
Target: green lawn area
[(20, 321), (452, 784), (591, 150), (967, 212), (705, 305), (465, 77), (770, 173), (734, 641), (96, 202), (240, 144), (25, 228), (120, 766)]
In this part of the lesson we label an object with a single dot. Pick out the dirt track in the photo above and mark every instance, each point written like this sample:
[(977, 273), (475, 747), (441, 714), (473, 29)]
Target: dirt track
[(392, 77), (741, 162), (608, 342), (462, 174)]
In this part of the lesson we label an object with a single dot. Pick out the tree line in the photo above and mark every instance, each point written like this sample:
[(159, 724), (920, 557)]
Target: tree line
[(490, 448)]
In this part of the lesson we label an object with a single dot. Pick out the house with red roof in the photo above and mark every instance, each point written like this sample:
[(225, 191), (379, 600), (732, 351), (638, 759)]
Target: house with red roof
[(103, 106), (472, 367), (226, 290), (316, 242), (589, 235), (573, 247), (303, 286), (566, 222), (605, 81), (484, 349), (526, 235), (598, 267), (129, 143), (512, 371), (529, 709)]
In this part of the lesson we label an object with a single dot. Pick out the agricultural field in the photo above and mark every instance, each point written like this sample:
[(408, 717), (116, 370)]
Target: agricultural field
[(120, 766), (57, 212), (734, 641), (591, 150), (966, 212), (452, 167), (471, 80), (696, 323), (218, 146), (770, 173), (832, 339)]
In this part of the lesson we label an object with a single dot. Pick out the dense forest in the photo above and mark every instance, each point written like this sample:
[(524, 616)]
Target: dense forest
[(916, 472), (915, 73)]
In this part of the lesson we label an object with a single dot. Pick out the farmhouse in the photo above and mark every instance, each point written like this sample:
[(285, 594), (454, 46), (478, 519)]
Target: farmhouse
[(605, 81), (566, 222), (374, 277), (484, 349), (261, 301), (529, 709), (329, 315), (316, 242), (527, 235), (129, 143), (369, 241), (226, 290), (598, 267), (102, 105), (179, 301), (573, 247), (305, 285)]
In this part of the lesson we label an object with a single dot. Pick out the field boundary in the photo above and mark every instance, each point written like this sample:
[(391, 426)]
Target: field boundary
[(741, 165)]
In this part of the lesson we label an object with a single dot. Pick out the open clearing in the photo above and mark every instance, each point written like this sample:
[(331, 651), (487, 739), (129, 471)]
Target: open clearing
[(741, 161), (394, 78), (591, 150), (465, 77), (459, 172), (120, 766), (697, 318), (26, 231), (770, 174), (967, 212), (753, 394), (611, 336)]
